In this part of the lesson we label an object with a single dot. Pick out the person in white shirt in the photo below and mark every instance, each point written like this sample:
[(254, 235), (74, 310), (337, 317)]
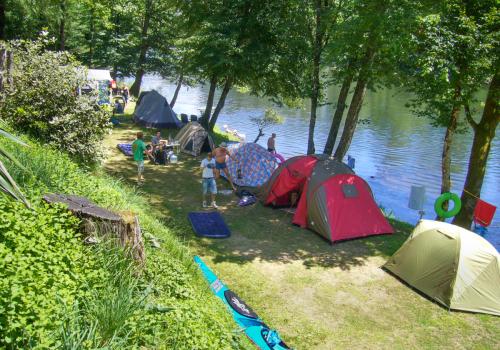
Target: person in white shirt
[(208, 180)]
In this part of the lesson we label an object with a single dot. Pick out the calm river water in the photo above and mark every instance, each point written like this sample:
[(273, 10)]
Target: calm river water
[(393, 151)]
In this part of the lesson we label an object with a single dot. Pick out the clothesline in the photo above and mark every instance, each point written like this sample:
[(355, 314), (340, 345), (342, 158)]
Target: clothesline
[(472, 194)]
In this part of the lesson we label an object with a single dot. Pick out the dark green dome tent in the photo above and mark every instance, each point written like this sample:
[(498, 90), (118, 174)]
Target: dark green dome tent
[(454, 266), (153, 111)]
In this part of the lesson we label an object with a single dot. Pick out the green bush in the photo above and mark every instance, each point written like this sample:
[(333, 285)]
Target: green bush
[(42, 101), (92, 296)]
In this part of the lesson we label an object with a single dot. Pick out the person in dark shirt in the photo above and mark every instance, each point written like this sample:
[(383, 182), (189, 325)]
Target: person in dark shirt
[(155, 140), (125, 94), (271, 145)]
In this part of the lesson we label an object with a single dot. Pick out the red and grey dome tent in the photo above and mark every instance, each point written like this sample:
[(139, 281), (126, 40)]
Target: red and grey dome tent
[(332, 199)]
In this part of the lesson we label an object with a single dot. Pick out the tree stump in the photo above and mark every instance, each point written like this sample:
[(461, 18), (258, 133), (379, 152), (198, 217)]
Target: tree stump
[(100, 222)]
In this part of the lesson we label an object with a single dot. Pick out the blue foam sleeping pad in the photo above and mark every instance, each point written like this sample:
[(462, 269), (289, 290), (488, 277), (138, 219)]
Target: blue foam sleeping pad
[(126, 148), (209, 224)]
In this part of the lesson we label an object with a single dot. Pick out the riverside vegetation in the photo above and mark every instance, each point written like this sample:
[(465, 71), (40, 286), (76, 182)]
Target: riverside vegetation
[(57, 292)]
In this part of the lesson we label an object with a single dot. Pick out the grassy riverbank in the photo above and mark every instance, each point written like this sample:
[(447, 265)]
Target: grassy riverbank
[(55, 292), (318, 296)]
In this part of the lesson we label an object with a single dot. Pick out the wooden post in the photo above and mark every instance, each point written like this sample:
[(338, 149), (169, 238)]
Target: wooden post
[(10, 64), (3, 56)]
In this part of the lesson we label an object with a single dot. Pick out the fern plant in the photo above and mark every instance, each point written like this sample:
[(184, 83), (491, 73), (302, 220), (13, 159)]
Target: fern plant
[(7, 183)]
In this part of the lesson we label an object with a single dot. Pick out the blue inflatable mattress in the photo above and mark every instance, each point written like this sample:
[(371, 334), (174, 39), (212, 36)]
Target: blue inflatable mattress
[(209, 224), (126, 148)]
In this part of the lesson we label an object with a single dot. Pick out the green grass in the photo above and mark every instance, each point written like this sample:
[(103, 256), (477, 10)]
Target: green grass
[(316, 295), (106, 316)]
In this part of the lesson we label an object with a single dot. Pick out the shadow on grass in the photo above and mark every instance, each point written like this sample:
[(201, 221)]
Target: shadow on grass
[(258, 232)]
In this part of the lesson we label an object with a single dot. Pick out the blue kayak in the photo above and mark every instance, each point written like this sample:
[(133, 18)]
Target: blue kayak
[(255, 329)]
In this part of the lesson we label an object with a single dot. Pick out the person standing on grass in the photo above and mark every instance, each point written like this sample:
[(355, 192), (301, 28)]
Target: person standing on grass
[(138, 147), (208, 180), (271, 143), (125, 94), (221, 153)]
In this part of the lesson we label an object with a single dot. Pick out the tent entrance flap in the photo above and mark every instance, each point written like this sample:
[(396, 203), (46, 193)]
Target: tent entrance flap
[(206, 146), (189, 146)]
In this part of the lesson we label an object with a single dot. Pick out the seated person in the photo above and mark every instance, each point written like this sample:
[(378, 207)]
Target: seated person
[(149, 153), (155, 140), (162, 153), (118, 108)]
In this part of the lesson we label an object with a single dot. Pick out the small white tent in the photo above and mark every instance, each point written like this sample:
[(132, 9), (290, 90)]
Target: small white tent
[(98, 80), (99, 75)]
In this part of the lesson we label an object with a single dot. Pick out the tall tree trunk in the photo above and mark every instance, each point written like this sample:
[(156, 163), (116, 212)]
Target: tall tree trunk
[(316, 87), (177, 88), (92, 36), (210, 102), (484, 133), (114, 72), (220, 104), (136, 86), (3, 59), (62, 25), (10, 67), (351, 120), (2, 19), (337, 117), (446, 154)]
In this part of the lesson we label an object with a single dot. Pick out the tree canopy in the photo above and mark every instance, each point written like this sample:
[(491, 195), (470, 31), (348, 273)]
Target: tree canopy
[(442, 52)]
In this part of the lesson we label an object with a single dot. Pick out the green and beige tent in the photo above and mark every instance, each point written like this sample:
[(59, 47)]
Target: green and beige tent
[(453, 266), (194, 139)]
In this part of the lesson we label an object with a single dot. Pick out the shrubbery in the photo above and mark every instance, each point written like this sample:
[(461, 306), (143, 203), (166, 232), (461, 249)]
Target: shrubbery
[(58, 293), (43, 101)]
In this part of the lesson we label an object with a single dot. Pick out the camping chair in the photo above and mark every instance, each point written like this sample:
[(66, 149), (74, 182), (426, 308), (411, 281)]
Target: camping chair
[(483, 214)]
